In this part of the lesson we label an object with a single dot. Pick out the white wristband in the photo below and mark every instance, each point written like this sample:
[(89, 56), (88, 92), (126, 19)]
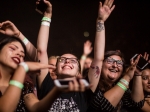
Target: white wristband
[(124, 81), (25, 66), (45, 23), (25, 41)]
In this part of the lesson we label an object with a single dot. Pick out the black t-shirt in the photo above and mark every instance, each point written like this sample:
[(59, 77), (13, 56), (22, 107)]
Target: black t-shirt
[(66, 102)]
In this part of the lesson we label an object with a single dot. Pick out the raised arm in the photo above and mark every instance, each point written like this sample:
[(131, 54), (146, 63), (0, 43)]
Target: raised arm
[(99, 45), (42, 41), (8, 28), (137, 86), (10, 99), (87, 49)]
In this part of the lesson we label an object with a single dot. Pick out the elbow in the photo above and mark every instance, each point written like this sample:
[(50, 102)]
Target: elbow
[(41, 52)]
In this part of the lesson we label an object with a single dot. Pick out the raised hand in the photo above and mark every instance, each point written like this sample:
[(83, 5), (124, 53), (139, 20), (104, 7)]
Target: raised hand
[(131, 70), (8, 28), (105, 9), (48, 11), (146, 57), (87, 48)]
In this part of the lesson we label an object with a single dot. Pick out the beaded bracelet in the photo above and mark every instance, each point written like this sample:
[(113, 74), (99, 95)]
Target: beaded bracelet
[(45, 23), (16, 83), (125, 82), (122, 86), (46, 19), (25, 41), (25, 66)]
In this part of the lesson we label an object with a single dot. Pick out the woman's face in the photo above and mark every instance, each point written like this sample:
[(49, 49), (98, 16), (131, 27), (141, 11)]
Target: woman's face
[(146, 80), (12, 54), (112, 69), (67, 66)]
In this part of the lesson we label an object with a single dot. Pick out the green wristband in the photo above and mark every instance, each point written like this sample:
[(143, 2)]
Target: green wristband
[(46, 19), (16, 83), (25, 41), (122, 86)]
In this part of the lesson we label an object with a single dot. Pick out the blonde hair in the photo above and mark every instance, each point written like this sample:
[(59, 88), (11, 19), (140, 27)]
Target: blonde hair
[(53, 57)]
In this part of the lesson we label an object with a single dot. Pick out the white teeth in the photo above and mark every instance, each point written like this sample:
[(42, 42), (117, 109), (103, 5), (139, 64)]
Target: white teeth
[(113, 71), (66, 67)]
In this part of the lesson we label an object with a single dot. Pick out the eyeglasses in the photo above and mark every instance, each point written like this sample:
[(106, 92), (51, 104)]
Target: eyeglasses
[(71, 60), (110, 60)]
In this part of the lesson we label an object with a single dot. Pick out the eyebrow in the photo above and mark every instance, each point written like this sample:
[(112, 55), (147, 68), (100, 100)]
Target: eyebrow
[(68, 58), (18, 48), (114, 59)]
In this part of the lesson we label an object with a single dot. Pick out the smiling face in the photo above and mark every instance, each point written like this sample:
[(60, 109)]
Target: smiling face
[(146, 80), (112, 69), (11, 55), (67, 66)]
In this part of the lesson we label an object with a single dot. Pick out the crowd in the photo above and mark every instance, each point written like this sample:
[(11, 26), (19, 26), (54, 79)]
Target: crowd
[(27, 74)]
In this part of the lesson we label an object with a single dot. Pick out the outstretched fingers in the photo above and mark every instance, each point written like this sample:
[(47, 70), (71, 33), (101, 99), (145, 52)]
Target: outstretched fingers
[(110, 2)]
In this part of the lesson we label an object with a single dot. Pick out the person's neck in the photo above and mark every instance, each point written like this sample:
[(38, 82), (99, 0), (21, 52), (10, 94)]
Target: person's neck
[(65, 77)]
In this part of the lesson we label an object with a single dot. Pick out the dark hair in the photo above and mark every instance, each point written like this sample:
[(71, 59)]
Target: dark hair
[(117, 52), (79, 65), (5, 40), (102, 83)]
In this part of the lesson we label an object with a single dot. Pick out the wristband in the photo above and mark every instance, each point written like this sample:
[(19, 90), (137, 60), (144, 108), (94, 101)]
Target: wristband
[(125, 82), (46, 19), (25, 41), (135, 74), (122, 86), (25, 66), (83, 57), (16, 83), (45, 23)]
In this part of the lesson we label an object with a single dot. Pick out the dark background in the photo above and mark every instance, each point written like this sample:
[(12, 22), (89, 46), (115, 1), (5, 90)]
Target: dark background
[(127, 29)]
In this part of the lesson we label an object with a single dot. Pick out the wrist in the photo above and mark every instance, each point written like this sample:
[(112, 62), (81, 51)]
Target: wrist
[(17, 34), (83, 57), (48, 15), (100, 20), (127, 78), (137, 74)]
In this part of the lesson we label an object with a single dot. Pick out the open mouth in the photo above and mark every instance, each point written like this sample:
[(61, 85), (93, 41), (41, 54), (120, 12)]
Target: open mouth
[(66, 67), (16, 60)]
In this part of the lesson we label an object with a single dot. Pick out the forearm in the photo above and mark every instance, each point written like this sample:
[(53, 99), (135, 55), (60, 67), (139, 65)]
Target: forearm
[(82, 61), (35, 105), (42, 44), (31, 50), (115, 94), (99, 44), (10, 99), (137, 89), (99, 47)]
